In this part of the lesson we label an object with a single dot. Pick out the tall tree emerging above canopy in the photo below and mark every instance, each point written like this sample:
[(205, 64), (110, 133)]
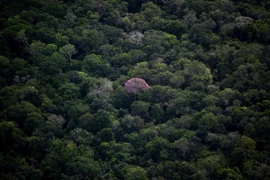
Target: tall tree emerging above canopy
[(135, 85)]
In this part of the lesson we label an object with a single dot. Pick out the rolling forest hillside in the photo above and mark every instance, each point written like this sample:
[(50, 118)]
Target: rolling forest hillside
[(134, 89)]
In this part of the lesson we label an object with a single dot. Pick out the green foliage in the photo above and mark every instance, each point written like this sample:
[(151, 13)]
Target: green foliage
[(99, 94), (83, 166), (68, 50), (157, 149), (65, 114), (94, 65), (55, 8), (133, 173), (69, 91), (12, 138), (131, 123), (4, 70), (81, 136), (140, 108), (190, 72)]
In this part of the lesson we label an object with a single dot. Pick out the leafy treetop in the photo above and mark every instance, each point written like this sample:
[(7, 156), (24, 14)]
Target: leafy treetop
[(135, 85)]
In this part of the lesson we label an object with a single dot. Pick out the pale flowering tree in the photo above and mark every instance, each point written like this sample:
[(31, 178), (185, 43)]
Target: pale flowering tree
[(135, 85), (56, 120), (99, 95), (136, 37)]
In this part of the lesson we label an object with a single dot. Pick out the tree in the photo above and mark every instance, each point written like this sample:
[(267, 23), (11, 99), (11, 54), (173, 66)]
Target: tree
[(55, 8), (136, 55), (136, 37), (99, 94), (150, 10), (140, 108), (15, 166), (207, 119), (189, 72), (140, 70), (135, 173), (70, 70), (36, 48), (244, 151), (56, 120), (34, 121), (157, 43), (18, 66), (83, 166), (4, 69), (201, 34), (228, 173), (81, 136), (100, 120), (18, 112), (157, 149), (248, 76), (178, 170), (120, 60), (21, 37), (120, 98), (182, 148), (132, 123), (11, 137), (221, 58), (95, 65), (135, 85), (70, 18), (105, 135), (69, 91), (174, 27), (157, 113), (68, 50), (211, 164)]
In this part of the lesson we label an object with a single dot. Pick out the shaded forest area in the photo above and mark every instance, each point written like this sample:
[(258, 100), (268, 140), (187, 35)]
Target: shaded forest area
[(201, 112)]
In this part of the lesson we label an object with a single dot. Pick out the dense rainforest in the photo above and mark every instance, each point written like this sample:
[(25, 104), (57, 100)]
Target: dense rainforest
[(134, 89)]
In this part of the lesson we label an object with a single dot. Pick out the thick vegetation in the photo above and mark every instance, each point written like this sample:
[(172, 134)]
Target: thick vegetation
[(200, 111)]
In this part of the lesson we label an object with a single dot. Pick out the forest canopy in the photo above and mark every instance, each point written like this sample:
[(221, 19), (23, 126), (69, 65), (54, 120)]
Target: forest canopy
[(126, 89)]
